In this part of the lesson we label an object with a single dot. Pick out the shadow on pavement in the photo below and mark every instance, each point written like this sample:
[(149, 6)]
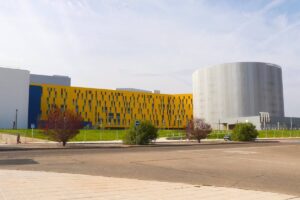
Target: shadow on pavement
[(18, 162)]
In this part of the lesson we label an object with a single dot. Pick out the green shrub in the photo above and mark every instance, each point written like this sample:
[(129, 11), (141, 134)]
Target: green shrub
[(244, 132), (142, 134)]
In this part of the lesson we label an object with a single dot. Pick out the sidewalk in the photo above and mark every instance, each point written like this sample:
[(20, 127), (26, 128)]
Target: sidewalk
[(37, 144), (30, 185), (28, 144), (92, 145), (12, 139)]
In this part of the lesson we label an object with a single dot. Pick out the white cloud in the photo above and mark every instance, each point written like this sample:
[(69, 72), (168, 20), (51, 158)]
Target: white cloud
[(147, 44)]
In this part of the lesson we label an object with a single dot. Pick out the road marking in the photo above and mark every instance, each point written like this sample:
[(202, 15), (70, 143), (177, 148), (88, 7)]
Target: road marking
[(241, 152), (273, 162), (237, 148)]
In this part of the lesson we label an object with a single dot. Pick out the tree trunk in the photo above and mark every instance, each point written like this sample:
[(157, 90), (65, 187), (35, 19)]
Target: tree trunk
[(199, 140), (64, 143)]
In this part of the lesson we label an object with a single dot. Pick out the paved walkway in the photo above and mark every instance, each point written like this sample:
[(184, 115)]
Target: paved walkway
[(12, 139), (27, 185)]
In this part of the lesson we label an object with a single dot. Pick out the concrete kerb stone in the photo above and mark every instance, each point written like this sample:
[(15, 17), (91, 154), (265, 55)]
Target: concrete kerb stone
[(70, 146)]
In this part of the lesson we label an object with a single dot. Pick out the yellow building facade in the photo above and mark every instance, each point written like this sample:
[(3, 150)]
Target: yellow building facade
[(102, 108)]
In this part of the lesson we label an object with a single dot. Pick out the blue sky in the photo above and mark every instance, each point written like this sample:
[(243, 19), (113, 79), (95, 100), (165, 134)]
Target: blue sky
[(150, 44)]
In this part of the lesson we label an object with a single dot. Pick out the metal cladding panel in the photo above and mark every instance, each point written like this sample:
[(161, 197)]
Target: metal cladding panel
[(35, 95), (14, 87), (119, 109), (52, 80), (237, 90)]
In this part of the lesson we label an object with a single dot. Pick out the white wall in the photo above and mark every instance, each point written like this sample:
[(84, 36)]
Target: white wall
[(14, 94)]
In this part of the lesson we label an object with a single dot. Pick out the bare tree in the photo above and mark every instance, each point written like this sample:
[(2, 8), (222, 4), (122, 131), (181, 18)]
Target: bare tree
[(61, 126), (198, 129)]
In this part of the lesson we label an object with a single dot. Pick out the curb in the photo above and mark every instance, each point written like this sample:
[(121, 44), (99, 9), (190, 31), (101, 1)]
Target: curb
[(101, 146)]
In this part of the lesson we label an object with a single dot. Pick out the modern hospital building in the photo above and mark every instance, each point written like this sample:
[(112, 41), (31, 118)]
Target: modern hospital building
[(223, 95), (27, 99)]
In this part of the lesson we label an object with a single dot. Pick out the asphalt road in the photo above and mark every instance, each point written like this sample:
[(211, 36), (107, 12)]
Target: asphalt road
[(272, 167)]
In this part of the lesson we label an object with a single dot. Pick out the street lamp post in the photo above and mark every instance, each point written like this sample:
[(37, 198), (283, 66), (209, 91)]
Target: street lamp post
[(219, 129), (86, 127), (16, 121), (178, 120), (100, 123), (164, 125), (31, 132), (291, 119), (64, 123)]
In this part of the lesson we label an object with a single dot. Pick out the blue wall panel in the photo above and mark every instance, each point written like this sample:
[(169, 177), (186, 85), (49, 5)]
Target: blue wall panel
[(34, 112)]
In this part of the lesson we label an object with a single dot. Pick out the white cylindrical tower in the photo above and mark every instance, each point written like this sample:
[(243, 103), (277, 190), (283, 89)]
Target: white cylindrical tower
[(236, 90)]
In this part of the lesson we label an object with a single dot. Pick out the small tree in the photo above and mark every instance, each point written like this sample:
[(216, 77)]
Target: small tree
[(61, 126), (142, 134), (198, 129), (244, 132)]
